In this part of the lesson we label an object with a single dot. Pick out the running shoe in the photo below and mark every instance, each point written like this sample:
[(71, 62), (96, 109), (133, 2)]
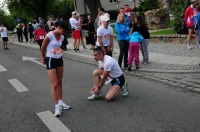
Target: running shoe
[(57, 112), (64, 106), (95, 97), (124, 90), (189, 47)]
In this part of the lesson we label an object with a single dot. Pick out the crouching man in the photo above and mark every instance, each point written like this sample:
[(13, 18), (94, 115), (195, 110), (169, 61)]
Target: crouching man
[(109, 71)]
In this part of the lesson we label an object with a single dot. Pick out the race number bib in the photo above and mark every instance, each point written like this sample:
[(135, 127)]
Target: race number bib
[(42, 37), (57, 52)]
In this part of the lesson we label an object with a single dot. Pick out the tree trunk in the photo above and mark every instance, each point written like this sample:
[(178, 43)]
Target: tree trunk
[(93, 5)]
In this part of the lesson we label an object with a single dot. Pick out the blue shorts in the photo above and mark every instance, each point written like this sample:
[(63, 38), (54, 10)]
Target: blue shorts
[(118, 81), (5, 39), (52, 63)]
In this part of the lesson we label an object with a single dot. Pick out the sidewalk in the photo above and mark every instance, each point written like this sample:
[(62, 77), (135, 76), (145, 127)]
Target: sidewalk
[(164, 58)]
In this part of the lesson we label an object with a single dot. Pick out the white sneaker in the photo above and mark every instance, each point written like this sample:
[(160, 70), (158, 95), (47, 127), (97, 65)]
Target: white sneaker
[(57, 112), (189, 47), (64, 106), (124, 91), (94, 97)]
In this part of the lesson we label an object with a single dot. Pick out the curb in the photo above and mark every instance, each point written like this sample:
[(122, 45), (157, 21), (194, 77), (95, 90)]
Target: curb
[(89, 59)]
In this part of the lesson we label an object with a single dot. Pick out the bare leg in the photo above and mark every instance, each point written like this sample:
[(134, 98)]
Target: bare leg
[(59, 72), (190, 31), (113, 92)]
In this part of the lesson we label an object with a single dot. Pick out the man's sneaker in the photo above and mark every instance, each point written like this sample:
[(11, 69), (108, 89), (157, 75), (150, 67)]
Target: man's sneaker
[(84, 47), (64, 106), (197, 46), (189, 47), (125, 90), (95, 97), (58, 111)]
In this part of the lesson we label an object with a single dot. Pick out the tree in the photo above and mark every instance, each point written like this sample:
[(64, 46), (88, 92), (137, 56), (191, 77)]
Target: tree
[(33, 9), (178, 8), (93, 5)]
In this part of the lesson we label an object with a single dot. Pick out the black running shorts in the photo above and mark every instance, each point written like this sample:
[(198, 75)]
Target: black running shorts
[(118, 81), (52, 63)]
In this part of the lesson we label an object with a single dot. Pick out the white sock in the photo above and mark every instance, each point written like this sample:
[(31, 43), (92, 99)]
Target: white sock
[(57, 106), (60, 102)]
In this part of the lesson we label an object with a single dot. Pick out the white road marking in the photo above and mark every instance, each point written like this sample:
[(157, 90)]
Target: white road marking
[(52, 122), (2, 69), (17, 85), (25, 58)]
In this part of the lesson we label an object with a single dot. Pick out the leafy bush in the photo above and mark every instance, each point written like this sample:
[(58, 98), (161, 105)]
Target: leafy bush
[(146, 5), (178, 8)]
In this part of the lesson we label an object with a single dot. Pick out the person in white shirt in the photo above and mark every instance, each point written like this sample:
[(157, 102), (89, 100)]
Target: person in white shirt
[(75, 25), (105, 36), (52, 57), (102, 13), (4, 37), (109, 71)]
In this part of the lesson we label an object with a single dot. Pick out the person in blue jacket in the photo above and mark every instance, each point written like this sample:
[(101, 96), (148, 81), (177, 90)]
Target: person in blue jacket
[(134, 39), (122, 30)]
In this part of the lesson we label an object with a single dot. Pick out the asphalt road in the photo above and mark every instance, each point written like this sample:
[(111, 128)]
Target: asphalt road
[(150, 107)]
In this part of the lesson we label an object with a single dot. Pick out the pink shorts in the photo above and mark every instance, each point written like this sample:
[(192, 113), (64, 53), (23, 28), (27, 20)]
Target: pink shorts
[(76, 34)]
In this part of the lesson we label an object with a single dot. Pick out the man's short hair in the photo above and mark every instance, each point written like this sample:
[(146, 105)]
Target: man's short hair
[(126, 5), (98, 50)]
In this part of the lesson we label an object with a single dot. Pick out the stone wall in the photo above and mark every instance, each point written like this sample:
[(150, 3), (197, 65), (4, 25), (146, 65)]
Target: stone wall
[(174, 39)]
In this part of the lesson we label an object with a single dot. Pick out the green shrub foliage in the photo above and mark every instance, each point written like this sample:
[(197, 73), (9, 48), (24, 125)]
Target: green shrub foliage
[(178, 8)]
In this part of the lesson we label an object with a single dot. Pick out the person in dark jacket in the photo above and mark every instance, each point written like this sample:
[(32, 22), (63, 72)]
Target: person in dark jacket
[(19, 33), (91, 30), (25, 31), (141, 27)]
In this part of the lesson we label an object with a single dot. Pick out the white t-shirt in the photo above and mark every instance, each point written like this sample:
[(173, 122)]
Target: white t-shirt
[(111, 65), (105, 34), (4, 32), (53, 49), (74, 23)]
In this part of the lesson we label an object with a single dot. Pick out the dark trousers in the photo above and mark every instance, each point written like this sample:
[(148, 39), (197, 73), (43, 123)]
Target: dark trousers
[(20, 38), (26, 36), (123, 46)]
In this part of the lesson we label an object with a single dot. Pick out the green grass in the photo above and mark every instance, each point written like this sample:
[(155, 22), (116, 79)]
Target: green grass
[(164, 32), (161, 32)]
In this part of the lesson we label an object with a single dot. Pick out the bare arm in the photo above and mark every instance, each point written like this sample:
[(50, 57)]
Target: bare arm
[(111, 41), (103, 79), (101, 44), (43, 48)]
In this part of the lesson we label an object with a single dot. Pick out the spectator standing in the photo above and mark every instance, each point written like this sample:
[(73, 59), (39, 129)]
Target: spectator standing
[(105, 36), (102, 13), (123, 31), (25, 31), (91, 31), (190, 17), (83, 26), (141, 27), (4, 36), (30, 30), (19, 33), (75, 25), (51, 24)]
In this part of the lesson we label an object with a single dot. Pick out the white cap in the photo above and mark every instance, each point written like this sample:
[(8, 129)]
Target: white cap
[(192, 1), (105, 18), (74, 13)]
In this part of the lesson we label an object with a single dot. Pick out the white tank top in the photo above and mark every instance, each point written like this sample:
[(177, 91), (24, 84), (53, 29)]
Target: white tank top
[(53, 49)]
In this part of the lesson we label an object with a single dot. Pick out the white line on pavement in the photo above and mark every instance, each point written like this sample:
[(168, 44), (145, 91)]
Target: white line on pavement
[(2, 68), (17, 85), (52, 122)]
